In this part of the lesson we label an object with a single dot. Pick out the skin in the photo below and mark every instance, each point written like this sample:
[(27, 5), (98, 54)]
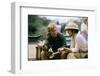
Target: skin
[(67, 50), (70, 32), (63, 49), (53, 33)]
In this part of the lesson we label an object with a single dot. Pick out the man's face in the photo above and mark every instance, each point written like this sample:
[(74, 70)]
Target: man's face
[(53, 33), (70, 32)]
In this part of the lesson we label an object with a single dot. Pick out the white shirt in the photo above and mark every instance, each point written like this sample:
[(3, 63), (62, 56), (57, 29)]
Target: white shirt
[(78, 42), (84, 27)]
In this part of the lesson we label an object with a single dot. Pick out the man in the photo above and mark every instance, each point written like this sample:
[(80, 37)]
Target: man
[(84, 27), (79, 45), (54, 41)]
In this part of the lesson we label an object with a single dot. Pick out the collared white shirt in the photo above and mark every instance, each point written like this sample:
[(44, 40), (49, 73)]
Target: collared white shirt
[(78, 42)]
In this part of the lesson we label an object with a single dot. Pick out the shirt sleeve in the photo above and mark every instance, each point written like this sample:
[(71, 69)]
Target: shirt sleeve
[(80, 44)]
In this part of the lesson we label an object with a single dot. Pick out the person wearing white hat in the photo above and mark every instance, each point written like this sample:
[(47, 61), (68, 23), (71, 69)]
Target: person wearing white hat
[(79, 46)]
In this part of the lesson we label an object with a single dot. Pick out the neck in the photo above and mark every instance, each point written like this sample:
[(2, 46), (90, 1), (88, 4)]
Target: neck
[(74, 35)]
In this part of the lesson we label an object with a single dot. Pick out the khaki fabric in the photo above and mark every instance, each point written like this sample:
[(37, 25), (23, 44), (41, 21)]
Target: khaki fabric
[(76, 55), (71, 56)]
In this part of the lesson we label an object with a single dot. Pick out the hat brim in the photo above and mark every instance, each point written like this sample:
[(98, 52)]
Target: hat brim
[(71, 29)]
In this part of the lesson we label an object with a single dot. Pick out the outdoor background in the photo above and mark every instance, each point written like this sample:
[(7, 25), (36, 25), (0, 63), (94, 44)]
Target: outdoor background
[(37, 29)]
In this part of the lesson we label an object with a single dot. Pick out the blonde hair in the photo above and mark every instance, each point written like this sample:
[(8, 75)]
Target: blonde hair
[(51, 27)]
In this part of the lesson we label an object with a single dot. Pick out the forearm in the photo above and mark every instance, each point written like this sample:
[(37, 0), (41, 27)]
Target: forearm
[(67, 50)]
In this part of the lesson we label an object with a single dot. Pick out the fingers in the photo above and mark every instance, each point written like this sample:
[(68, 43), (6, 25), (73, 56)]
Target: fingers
[(38, 45), (60, 49)]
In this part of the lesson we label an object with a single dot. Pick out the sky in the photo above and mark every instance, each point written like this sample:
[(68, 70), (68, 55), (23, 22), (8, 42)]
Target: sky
[(62, 19)]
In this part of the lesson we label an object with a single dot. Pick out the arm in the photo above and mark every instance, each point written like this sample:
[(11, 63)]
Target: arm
[(80, 43)]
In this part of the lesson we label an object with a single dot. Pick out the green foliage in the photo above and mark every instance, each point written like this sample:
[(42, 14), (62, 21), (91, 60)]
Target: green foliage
[(63, 27), (36, 24)]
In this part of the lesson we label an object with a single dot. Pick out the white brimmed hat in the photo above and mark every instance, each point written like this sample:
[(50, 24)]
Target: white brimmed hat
[(71, 25)]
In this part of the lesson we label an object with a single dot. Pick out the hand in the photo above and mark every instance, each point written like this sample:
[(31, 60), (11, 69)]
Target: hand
[(60, 49), (67, 50), (39, 45), (52, 55)]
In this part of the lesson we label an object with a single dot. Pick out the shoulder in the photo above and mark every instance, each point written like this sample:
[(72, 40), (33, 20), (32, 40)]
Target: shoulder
[(60, 34), (79, 36)]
